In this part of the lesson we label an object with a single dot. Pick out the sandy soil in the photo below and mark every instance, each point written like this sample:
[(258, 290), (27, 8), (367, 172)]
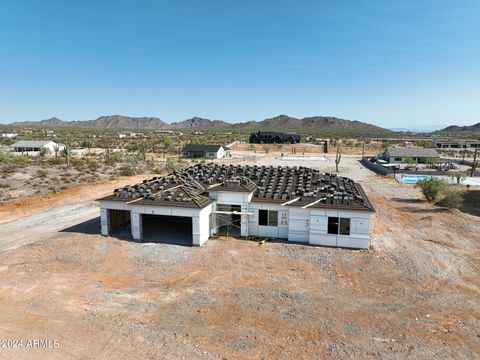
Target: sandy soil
[(414, 295)]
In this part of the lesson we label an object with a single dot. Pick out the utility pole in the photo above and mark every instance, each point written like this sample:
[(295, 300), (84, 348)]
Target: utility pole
[(474, 162), (363, 148)]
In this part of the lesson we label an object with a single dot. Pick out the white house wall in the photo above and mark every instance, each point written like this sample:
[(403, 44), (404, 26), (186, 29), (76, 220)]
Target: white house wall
[(203, 234), (299, 224), (308, 225), (241, 198), (359, 229), (280, 231)]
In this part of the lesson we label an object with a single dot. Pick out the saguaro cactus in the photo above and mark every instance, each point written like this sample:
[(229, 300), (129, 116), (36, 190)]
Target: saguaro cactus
[(338, 157), (56, 148)]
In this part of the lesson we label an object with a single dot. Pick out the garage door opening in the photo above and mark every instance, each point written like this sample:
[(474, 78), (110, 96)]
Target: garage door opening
[(119, 221), (175, 230)]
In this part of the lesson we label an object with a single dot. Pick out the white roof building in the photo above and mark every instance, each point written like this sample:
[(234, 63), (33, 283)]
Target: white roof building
[(34, 147)]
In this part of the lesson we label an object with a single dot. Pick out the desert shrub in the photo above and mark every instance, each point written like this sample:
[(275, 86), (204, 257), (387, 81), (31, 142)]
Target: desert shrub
[(42, 173), (171, 165), (452, 197), (127, 171), (55, 161), (4, 186), (432, 187), (5, 158), (92, 164), (114, 158), (9, 168)]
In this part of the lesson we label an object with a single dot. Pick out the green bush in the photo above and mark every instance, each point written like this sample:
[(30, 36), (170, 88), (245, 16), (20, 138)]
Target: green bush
[(114, 158), (432, 187), (5, 158), (452, 197)]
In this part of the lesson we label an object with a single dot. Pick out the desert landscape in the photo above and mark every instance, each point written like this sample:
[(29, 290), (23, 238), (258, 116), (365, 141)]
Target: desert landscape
[(413, 294)]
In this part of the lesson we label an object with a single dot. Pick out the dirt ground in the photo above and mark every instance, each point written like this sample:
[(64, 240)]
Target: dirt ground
[(414, 295), (352, 147)]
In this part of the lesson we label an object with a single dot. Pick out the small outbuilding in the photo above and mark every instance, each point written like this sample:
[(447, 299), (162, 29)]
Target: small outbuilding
[(401, 154), (196, 151)]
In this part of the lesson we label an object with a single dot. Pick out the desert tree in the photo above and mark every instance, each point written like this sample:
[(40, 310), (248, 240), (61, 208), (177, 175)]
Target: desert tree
[(431, 161), (458, 176), (432, 188)]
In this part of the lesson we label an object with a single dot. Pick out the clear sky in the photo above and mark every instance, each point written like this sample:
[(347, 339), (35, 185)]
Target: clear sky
[(393, 63)]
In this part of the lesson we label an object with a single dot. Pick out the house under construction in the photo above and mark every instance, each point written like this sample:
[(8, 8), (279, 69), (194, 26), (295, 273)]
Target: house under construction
[(190, 205)]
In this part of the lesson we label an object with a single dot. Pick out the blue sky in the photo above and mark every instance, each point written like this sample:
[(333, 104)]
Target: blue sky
[(391, 63)]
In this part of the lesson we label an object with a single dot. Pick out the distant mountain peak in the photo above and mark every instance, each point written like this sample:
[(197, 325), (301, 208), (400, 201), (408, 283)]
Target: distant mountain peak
[(464, 129)]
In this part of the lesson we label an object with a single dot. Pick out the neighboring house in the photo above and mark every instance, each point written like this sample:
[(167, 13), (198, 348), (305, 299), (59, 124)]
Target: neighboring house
[(25, 131), (457, 144), (34, 147), (205, 151), (294, 203), (401, 154), (50, 134), (129, 134), (166, 132), (270, 137), (9, 135)]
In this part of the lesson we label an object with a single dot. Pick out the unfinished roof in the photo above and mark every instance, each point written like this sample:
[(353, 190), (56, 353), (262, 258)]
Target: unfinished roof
[(197, 147), (412, 152), (30, 143), (291, 186)]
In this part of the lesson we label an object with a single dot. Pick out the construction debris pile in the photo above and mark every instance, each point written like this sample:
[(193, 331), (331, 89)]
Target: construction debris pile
[(296, 185)]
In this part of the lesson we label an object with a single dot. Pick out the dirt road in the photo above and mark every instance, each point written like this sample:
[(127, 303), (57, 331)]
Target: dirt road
[(414, 295)]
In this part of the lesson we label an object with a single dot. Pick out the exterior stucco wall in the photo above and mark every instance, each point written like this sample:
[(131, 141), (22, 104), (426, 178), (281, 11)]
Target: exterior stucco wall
[(309, 225)]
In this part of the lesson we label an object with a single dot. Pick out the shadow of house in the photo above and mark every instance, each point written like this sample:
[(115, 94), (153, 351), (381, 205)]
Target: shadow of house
[(471, 202)]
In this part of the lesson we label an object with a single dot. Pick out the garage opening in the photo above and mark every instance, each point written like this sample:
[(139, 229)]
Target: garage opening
[(119, 220), (175, 230)]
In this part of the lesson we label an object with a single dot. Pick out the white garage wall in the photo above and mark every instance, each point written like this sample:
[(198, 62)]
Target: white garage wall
[(200, 237), (105, 205), (200, 220)]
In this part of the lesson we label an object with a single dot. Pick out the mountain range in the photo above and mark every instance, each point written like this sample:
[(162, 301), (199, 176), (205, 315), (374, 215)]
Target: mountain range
[(315, 124), (462, 129)]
